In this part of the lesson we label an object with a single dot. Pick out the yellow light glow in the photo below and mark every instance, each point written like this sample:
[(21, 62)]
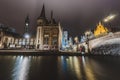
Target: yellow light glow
[(100, 30)]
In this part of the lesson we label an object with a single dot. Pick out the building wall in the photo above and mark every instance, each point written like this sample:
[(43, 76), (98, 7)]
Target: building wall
[(48, 37)]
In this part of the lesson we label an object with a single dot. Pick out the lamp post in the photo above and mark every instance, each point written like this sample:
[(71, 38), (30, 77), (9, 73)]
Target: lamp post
[(77, 43), (87, 40)]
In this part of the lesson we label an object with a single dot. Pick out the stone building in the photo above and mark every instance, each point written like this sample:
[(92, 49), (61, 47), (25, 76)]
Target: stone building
[(49, 33), (7, 35), (9, 39)]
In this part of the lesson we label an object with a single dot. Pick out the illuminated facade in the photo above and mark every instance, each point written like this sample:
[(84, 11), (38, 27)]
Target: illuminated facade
[(64, 40), (100, 30), (49, 33), (9, 39)]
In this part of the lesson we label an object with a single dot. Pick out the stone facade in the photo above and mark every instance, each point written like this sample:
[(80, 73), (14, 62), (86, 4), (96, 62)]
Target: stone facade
[(49, 33)]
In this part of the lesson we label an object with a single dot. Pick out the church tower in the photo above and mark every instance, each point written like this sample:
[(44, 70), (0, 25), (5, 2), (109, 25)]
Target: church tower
[(42, 21), (27, 24)]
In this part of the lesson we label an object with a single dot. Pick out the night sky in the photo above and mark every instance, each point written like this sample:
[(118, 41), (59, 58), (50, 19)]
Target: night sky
[(76, 16)]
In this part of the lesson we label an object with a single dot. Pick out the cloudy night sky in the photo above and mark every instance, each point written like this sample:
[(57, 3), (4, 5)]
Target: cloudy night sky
[(76, 16)]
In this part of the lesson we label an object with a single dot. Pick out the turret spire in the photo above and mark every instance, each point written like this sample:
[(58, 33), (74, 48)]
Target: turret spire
[(51, 17), (43, 12)]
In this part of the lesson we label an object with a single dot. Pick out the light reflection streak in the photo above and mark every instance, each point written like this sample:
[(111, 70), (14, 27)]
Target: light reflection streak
[(88, 70), (77, 67), (70, 64), (21, 68)]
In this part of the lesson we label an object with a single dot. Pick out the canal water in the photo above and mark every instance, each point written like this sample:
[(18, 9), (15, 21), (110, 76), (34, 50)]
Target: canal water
[(59, 68)]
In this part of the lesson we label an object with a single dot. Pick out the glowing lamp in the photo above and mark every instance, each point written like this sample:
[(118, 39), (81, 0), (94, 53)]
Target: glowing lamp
[(27, 36)]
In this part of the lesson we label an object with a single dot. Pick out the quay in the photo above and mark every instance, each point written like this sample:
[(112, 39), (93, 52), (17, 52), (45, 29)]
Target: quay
[(42, 52)]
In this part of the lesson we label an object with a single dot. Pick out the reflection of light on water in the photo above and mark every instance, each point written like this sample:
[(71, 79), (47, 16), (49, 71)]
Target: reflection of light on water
[(83, 60), (21, 68), (73, 65), (88, 70), (70, 63), (77, 67)]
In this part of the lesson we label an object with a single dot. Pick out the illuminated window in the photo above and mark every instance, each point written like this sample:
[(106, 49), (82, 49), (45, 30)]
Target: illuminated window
[(54, 41), (46, 39)]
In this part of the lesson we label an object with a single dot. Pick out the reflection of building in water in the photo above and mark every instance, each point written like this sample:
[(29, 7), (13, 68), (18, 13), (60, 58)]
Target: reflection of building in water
[(100, 30), (21, 68), (80, 66)]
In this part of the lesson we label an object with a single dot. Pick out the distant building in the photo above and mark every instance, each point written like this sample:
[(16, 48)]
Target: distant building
[(100, 30), (65, 39), (83, 39), (89, 34), (70, 42), (7, 35)]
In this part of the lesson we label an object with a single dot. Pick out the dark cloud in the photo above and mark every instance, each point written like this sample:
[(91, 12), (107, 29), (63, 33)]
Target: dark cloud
[(76, 16)]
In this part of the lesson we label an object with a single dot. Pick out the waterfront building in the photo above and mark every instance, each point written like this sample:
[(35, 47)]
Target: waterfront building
[(7, 35), (89, 34), (49, 33), (83, 39), (9, 39), (64, 40), (100, 30), (70, 41)]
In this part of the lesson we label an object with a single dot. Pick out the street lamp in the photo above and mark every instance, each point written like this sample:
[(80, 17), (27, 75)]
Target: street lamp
[(109, 18), (27, 42), (87, 41), (27, 36)]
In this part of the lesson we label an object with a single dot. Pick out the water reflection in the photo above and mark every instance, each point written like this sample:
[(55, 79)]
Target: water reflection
[(78, 67), (88, 69), (21, 68), (59, 68)]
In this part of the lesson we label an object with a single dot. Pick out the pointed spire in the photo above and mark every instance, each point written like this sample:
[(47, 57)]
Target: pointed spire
[(51, 17), (27, 19), (59, 24), (51, 14), (43, 12), (100, 23)]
